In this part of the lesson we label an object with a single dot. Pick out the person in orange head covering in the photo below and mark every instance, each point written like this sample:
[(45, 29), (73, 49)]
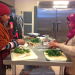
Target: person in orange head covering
[(69, 47), (6, 44)]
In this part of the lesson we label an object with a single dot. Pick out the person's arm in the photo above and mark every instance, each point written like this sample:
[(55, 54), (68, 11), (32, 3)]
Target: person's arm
[(67, 49), (5, 44), (10, 26), (10, 45)]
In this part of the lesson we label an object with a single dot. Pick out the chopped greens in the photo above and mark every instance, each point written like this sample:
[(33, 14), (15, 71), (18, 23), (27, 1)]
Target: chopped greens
[(26, 50), (52, 52), (35, 40), (21, 51)]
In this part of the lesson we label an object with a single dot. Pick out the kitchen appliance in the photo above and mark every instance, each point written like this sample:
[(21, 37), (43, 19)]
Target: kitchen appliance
[(52, 21), (33, 34)]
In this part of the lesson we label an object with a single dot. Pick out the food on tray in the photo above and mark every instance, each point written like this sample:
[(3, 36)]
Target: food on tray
[(52, 52), (32, 44), (21, 50), (35, 40)]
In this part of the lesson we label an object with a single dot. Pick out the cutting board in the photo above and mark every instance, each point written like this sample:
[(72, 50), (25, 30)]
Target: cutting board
[(16, 56), (55, 58)]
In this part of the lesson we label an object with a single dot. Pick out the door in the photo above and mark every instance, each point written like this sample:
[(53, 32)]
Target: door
[(46, 21), (27, 17), (61, 28), (27, 29)]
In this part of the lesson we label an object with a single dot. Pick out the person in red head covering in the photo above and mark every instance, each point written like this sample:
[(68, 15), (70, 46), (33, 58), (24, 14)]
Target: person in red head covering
[(69, 47), (6, 44)]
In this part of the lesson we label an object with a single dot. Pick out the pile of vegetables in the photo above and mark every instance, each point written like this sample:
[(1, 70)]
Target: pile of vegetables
[(21, 51), (52, 52), (35, 40)]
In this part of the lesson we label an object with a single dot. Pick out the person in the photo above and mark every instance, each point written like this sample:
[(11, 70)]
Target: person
[(69, 47), (12, 28), (6, 44)]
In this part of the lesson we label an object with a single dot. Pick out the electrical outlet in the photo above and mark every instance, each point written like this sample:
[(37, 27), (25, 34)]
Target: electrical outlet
[(21, 12)]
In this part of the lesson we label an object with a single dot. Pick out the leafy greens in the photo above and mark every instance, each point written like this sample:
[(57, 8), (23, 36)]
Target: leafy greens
[(21, 51), (52, 52), (35, 40)]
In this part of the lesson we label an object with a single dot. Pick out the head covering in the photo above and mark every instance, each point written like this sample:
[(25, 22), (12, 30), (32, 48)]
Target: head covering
[(72, 21), (4, 9)]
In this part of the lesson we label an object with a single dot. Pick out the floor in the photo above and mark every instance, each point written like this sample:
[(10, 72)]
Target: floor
[(18, 70), (20, 67)]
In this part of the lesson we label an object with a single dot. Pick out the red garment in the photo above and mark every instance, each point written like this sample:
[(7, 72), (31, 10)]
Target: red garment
[(72, 20), (17, 35), (11, 31), (4, 9)]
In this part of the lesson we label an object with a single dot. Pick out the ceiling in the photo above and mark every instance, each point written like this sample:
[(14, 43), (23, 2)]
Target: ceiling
[(49, 4)]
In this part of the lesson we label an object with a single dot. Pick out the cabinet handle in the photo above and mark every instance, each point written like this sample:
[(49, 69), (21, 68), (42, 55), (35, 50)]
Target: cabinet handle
[(53, 26), (58, 26)]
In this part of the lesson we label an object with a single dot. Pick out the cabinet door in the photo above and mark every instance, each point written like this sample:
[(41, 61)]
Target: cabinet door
[(27, 17), (27, 29), (46, 21)]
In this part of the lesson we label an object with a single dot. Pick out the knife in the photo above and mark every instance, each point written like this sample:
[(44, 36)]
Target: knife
[(23, 56)]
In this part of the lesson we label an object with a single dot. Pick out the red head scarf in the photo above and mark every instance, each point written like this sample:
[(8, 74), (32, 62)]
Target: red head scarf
[(72, 21)]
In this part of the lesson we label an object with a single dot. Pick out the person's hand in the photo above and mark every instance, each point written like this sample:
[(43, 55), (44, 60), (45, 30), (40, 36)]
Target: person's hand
[(53, 45), (20, 41), (54, 40)]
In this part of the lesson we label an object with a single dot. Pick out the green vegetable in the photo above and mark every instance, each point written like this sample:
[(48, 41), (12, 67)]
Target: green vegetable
[(52, 52), (35, 40), (21, 51), (26, 50)]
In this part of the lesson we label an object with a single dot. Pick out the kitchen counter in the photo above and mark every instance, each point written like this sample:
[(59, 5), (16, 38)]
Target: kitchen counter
[(38, 50)]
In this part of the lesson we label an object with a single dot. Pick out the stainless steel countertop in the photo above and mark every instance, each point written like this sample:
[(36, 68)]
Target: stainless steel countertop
[(40, 61)]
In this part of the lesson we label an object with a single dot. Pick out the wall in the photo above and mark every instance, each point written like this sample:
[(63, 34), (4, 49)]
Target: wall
[(25, 5), (28, 5), (10, 2)]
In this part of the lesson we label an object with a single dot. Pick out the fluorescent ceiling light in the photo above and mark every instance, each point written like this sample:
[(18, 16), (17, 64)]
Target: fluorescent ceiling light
[(60, 2), (59, 6)]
